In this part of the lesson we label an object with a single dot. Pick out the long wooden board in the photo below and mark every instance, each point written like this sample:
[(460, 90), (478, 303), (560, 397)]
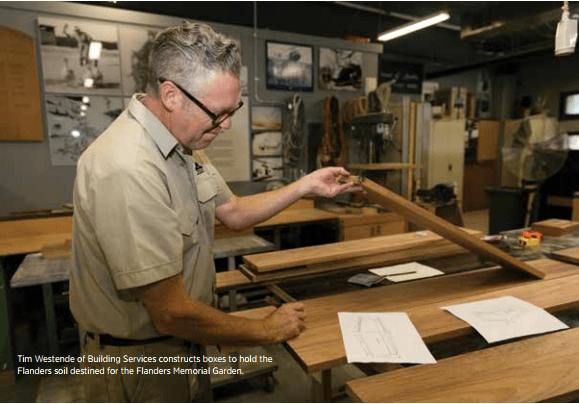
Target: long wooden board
[(531, 370), (343, 250), (568, 255), (415, 214), (441, 248)]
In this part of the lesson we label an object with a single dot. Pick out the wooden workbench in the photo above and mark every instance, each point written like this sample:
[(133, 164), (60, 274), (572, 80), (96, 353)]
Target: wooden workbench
[(320, 347), (30, 235)]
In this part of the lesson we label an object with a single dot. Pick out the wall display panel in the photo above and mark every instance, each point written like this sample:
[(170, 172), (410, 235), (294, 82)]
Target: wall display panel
[(267, 168), (267, 144), (20, 112), (74, 122), (266, 118), (229, 152), (80, 56), (136, 44), (406, 78), (289, 67), (340, 70)]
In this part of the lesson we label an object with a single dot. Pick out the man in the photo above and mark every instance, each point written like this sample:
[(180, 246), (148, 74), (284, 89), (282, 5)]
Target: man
[(143, 272)]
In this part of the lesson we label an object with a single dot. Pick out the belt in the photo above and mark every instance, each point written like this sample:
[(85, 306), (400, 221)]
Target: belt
[(106, 339)]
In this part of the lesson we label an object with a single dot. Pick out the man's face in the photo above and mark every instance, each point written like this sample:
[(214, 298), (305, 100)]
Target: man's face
[(196, 129)]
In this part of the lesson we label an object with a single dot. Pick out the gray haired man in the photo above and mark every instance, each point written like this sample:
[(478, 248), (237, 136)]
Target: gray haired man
[(145, 201)]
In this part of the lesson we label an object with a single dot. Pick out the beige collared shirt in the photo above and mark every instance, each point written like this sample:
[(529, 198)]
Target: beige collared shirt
[(143, 211)]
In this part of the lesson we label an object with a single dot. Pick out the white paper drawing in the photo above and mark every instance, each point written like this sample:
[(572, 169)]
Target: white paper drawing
[(505, 318), (382, 338), (406, 272)]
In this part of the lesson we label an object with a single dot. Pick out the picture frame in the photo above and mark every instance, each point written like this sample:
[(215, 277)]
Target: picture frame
[(569, 105), (340, 69), (80, 57), (289, 67)]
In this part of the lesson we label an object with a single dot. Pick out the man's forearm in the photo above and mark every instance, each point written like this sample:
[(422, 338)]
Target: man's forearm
[(245, 211)]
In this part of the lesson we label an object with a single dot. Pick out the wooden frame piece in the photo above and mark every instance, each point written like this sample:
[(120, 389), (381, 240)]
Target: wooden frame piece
[(415, 214)]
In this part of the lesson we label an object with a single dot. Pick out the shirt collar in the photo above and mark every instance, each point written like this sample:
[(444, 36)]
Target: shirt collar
[(165, 141)]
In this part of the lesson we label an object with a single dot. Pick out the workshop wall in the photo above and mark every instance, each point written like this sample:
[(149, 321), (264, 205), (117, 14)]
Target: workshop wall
[(545, 79), (28, 180)]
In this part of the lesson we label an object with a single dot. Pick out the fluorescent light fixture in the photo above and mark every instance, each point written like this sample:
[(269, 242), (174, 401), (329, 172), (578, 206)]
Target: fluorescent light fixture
[(414, 26), (566, 36)]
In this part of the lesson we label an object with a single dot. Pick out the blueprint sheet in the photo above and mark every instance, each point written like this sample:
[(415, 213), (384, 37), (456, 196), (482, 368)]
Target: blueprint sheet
[(505, 318), (382, 338)]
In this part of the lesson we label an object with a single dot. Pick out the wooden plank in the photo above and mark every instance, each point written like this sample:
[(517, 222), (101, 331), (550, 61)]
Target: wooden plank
[(278, 260), (354, 264), (555, 227), (570, 255), (415, 214), (531, 370), (228, 280), (54, 251)]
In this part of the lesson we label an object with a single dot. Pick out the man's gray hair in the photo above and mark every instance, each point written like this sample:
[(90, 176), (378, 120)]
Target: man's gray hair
[(191, 54)]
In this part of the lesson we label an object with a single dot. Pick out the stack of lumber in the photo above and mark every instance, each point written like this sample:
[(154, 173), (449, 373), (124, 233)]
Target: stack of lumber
[(346, 255)]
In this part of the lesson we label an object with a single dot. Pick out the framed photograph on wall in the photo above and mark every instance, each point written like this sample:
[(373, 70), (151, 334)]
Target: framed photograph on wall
[(136, 44), (75, 121), (267, 168), (266, 118), (289, 67), (340, 70), (80, 56)]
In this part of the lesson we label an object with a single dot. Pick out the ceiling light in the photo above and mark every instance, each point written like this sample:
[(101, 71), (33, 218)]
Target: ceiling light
[(566, 35), (414, 26)]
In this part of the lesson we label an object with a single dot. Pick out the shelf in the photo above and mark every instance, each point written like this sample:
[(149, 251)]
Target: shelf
[(382, 166)]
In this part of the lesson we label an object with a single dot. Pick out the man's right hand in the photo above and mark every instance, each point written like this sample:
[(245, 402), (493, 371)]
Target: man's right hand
[(285, 323)]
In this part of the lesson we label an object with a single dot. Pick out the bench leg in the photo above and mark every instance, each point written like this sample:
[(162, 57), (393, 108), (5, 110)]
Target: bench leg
[(322, 387)]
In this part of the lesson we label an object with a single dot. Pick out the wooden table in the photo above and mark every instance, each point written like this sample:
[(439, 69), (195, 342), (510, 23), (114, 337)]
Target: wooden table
[(320, 347), (22, 237), (295, 217)]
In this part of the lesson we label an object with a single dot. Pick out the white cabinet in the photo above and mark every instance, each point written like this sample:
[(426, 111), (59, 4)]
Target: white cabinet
[(443, 155)]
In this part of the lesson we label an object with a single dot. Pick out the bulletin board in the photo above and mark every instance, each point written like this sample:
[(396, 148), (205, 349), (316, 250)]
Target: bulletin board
[(20, 111)]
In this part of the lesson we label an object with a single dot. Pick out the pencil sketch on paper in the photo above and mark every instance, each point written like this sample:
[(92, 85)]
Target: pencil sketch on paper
[(501, 314), (505, 317), (375, 338), (382, 337)]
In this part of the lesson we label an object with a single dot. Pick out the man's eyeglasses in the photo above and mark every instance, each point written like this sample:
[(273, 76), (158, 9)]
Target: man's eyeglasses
[(216, 120)]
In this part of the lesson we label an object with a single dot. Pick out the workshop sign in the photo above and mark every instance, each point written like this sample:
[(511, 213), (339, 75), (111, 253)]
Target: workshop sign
[(407, 77)]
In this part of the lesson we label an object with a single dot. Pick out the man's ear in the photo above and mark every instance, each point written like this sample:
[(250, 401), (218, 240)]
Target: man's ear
[(169, 96)]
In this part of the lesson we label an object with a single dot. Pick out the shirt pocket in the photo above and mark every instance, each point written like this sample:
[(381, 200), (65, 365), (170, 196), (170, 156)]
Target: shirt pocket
[(205, 188), (187, 215)]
